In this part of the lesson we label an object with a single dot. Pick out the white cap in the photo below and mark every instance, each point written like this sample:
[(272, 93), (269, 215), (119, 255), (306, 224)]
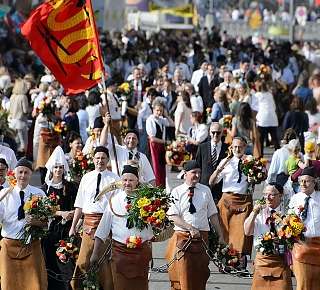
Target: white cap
[(57, 158)]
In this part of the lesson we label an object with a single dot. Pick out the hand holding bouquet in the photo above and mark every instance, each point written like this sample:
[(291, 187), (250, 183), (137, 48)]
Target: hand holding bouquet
[(66, 251), (38, 210), (148, 207), (255, 169), (81, 164)]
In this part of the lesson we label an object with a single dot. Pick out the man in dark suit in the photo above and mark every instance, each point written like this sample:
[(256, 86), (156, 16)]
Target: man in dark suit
[(208, 157), (207, 85)]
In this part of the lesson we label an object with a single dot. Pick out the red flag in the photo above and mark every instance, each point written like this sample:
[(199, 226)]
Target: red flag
[(63, 34)]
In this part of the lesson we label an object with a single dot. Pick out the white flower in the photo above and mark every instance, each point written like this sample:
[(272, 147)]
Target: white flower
[(262, 249), (249, 158)]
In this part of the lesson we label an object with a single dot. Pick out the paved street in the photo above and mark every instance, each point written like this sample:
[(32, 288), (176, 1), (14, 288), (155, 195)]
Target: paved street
[(160, 281)]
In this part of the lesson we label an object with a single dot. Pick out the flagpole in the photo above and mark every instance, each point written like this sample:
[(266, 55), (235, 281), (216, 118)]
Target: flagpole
[(104, 86), (108, 111)]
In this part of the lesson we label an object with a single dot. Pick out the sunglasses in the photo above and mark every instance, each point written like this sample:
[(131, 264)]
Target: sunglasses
[(216, 132)]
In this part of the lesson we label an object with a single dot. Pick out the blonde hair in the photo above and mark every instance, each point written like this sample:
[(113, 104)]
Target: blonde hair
[(20, 87)]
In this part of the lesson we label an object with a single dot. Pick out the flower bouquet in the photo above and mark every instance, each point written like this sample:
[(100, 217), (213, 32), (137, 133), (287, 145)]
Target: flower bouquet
[(255, 169), (91, 281), (81, 164), (46, 107), (225, 257), (176, 153), (67, 250), (41, 208), (60, 128), (126, 91), (264, 71), (147, 207), (11, 178), (208, 115), (289, 230), (134, 242)]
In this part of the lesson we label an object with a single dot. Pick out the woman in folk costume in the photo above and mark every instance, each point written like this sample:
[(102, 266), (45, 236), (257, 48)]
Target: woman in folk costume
[(22, 268), (197, 134), (306, 255), (156, 129), (270, 271), (129, 266), (57, 168)]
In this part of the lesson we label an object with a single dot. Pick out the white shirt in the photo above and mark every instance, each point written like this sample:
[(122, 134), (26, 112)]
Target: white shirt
[(196, 103), (182, 118), (266, 116), (218, 148), (83, 124), (144, 112), (145, 169), (312, 222), (260, 226), (203, 202), (11, 226), (114, 105), (92, 144), (198, 132), (8, 154), (278, 163), (117, 225), (230, 176), (151, 126), (87, 191), (196, 77), (5, 184), (93, 112)]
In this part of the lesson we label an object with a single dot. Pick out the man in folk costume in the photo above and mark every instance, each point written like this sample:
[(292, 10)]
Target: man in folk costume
[(128, 153), (85, 204), (235, 204), (306, 255), (270, 271), (22, 268), (192, 209), (114, 107), (130, 266), (96, 138), (3, 173)]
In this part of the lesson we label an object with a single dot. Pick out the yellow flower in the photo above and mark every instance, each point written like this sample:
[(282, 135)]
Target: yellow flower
[(160, 214), (143, 202), (27, 206), (125, 87), (132, 239), (143, 213)]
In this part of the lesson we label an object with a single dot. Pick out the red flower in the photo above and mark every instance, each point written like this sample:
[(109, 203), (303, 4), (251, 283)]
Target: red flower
[(128, 206)]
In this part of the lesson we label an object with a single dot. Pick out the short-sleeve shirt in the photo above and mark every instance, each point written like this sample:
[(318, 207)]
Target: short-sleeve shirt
[(202, 200)]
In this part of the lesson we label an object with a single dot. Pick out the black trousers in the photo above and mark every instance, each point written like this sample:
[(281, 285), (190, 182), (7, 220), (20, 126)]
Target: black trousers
[(264, 131)]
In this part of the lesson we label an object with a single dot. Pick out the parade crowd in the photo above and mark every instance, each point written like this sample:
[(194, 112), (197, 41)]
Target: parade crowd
[(199, 104)]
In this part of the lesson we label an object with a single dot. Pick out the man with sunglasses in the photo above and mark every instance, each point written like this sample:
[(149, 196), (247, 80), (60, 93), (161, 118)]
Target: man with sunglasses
[(306, 255), (270, 271), (208, 157)]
